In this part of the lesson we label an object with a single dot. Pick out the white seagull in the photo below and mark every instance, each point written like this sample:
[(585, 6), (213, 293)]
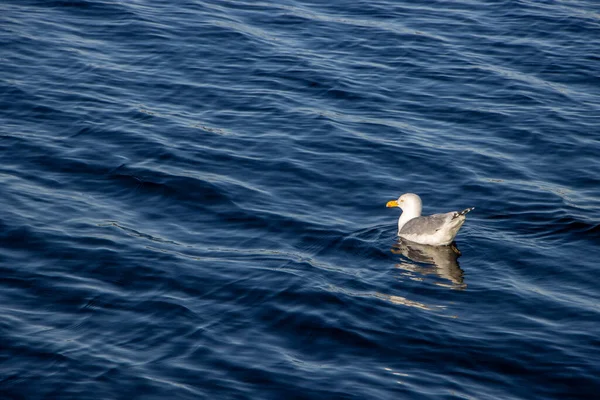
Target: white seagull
[(433, 230)]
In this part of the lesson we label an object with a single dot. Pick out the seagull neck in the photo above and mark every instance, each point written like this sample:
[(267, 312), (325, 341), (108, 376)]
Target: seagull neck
[(407, 215)]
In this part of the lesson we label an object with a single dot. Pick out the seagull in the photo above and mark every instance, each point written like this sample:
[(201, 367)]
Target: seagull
[(433, 230)]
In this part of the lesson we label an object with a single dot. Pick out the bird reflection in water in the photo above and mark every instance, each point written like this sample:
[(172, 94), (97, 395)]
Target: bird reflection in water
[(440, 260)]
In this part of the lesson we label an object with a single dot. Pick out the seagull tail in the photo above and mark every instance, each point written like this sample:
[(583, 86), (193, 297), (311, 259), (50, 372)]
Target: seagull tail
[(463, 212)]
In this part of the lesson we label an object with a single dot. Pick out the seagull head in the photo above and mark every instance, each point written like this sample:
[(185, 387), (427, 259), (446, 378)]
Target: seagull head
[(408, 202)]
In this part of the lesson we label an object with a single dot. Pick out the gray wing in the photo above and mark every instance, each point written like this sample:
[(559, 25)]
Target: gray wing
[(427, 225)]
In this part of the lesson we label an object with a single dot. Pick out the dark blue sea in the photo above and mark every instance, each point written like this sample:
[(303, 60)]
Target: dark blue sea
[(193, 199)]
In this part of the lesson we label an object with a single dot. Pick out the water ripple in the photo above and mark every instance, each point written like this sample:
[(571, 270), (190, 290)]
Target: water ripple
[(193, 199)]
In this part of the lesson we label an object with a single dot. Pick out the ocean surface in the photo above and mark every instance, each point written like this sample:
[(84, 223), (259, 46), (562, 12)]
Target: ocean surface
[(192, 199)]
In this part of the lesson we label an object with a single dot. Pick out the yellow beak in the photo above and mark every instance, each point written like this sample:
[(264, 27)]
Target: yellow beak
[(392, 203)]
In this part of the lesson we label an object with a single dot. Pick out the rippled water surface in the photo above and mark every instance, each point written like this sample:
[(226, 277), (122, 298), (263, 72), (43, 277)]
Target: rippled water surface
[(193, 199)]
